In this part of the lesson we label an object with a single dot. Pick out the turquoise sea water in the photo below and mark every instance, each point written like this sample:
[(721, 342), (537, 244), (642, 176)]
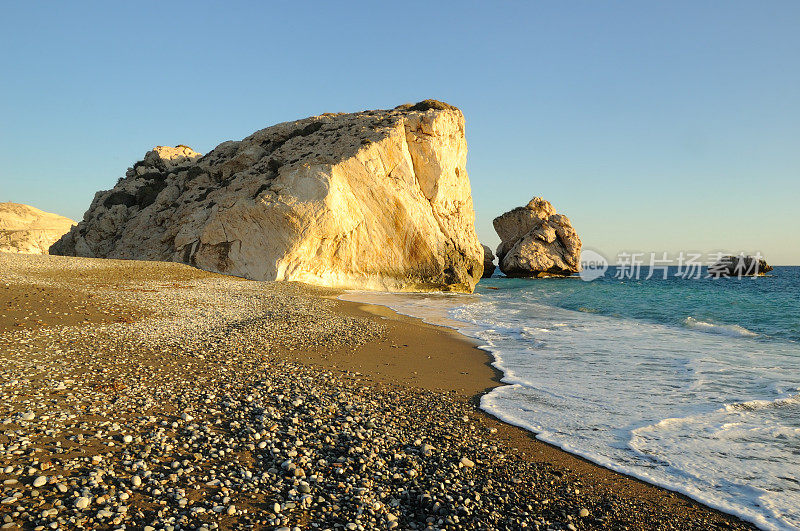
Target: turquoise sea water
[(691, 384)]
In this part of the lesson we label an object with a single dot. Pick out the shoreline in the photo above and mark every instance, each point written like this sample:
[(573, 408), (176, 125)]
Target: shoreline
[(153, 394), (475, 377)]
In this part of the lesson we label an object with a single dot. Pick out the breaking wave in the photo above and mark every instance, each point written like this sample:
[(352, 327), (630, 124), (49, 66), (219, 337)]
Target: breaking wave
[(724, 330)]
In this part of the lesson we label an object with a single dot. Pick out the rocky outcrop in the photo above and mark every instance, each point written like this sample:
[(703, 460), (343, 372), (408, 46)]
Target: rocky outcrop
[(739, 266), (370, 200), (488, 262), (25, 229), (536, 242)]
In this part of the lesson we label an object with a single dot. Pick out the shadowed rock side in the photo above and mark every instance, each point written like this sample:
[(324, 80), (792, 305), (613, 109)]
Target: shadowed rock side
[(28, 230), (488, 262), (370, 200), (536, 242)]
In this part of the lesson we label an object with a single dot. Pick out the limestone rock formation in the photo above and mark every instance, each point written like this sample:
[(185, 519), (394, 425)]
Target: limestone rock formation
[(536, 242), (488, 262), (739, 266), (369, 200), (25, 229)]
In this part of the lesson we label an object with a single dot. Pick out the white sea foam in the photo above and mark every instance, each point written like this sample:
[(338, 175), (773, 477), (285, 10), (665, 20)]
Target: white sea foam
[(753, 405), (721, 329), (714, 416)]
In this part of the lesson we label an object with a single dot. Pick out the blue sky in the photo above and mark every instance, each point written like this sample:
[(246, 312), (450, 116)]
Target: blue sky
[(655, 126)]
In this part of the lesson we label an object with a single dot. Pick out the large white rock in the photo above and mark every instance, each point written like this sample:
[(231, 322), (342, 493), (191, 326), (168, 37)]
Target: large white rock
[(370, 200), (25, 229), (536, 241)]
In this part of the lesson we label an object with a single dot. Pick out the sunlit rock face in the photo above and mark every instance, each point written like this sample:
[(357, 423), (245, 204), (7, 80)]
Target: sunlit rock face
[(369, 200), (536, 241), (25, 229)]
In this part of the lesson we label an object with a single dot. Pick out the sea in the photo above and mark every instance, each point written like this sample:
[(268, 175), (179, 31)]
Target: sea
[(692, 384)]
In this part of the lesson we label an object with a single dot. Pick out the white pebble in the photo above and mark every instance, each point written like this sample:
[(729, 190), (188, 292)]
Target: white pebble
[(82, 502)]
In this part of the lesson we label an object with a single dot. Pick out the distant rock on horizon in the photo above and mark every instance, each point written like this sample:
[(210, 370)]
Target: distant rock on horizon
[(536, 242), (739, 266), (26, 229), (369, 200)]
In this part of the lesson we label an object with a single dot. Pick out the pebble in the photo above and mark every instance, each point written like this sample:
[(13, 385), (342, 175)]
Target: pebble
[(467, 462), (40, 481), (82, 502)]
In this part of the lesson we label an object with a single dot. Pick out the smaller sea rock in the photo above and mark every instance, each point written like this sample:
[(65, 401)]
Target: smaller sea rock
[(488, 262), (537, 242)]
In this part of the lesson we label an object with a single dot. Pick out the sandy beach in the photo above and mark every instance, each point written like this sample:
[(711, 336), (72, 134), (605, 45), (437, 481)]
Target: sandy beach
[(148, 395)]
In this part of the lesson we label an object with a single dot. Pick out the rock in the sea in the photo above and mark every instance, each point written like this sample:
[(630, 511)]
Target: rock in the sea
[(536, 241), (488, 262), (25, 229), (739, 266), (370, 200)]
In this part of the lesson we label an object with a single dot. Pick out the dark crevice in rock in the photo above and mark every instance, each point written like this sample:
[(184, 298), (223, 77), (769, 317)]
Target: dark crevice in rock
[(147, 194), (120, 198)]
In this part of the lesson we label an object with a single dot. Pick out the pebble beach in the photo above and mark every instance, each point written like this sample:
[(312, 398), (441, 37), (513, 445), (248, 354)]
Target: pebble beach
[(149, 395)]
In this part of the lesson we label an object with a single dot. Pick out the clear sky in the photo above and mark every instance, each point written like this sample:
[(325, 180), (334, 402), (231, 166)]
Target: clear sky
[(655, 126)]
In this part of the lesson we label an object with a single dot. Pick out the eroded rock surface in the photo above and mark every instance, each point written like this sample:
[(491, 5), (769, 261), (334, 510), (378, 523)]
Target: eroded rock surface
[(536, 241), (25, 229), (369, 200)]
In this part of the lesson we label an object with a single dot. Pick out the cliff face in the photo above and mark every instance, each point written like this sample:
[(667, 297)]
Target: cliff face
[(370, 200), (25, 229)]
